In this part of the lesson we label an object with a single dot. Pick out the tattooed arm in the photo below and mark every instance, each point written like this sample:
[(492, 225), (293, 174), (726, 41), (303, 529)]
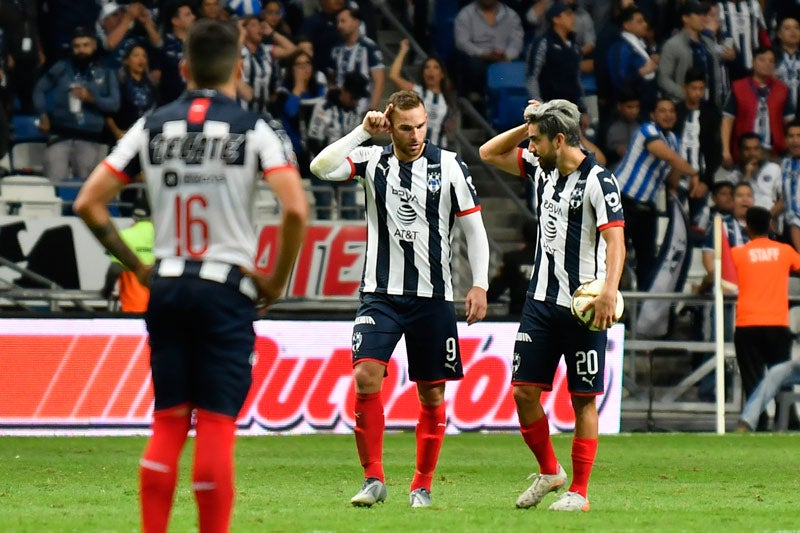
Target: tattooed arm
[(92, 206)]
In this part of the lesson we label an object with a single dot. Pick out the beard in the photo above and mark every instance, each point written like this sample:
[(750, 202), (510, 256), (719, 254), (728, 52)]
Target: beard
[(547, 162), (82, 60)]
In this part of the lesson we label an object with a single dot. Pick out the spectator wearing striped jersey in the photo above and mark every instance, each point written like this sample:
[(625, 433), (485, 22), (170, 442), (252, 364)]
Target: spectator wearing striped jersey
[(652, 158), (357, 53), (415, 191), (261, 73), (744, 21), (787, 58), (204, 285), (763, 175), (330, 120), (759, 103), (581, 237), (790, 172), (433, 86)]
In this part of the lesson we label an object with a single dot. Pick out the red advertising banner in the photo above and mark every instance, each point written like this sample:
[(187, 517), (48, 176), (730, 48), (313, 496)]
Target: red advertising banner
[(60, 377)]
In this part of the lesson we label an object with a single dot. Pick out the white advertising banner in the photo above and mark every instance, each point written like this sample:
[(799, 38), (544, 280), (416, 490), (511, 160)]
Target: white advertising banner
[(91, 377)]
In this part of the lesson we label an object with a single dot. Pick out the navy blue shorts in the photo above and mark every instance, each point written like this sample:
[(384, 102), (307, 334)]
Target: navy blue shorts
[(546, 332), (429, 326), (201, 344)]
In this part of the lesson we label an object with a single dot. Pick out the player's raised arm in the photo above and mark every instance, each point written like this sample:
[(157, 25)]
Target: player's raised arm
[(502, 151), (331, 163)]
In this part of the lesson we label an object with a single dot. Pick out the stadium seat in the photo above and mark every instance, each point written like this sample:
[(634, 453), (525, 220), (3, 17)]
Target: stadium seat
[(29, 196), (27, 157), (24, 128), (506, 92)]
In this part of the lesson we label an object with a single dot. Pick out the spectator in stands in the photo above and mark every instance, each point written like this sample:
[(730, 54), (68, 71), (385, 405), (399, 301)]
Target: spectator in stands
[(321, 29), (302, 90), (357, 53), (687, 49), (553, 69), (118, 27), (18, 21), (697, 127), (787, 58), (211, 9), (763, 175), (724, 49), (330, 121), (744, 21), (261, 73), (621, 131), (136, 90), (759, 104), (486, 32), (652, 158), (630, 62), (762, 337), (272, 14), (82, 92), (139, 237), (790, 174), (432, 85), (585, 35), (515, 271), (178, 17)]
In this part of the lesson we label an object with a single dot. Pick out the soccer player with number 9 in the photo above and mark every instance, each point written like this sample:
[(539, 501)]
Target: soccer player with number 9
[(581, 237)]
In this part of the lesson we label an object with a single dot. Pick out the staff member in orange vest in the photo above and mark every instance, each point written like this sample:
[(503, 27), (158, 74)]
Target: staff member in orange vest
[(133, 296), (762, 337)]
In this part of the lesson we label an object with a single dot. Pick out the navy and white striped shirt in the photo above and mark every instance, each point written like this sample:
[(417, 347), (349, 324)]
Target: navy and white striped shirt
[(436, 107), (362, 57), (790, 170), (640, 173), (743, 21), (734, 230), (572, 211), (411, 208), (260, 70)]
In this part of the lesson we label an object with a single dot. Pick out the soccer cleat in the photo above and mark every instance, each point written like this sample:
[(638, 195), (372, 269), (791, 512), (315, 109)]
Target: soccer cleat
[(570, 501), (373, 491), (544, 483), (420, 498)]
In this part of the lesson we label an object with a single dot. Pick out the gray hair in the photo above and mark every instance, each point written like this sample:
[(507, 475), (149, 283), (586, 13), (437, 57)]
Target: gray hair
[(554, 117)]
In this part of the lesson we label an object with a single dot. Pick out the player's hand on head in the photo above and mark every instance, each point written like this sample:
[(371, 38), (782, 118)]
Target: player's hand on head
[(475, 305), (375, 122)]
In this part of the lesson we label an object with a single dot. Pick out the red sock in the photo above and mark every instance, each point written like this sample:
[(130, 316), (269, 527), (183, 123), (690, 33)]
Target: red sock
[(583, 454), (212, 475), (430, 434), (369, 429), (158, 470), (537, 437)]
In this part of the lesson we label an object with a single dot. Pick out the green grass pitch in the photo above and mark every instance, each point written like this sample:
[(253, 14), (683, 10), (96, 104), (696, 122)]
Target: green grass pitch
[(641, 482)]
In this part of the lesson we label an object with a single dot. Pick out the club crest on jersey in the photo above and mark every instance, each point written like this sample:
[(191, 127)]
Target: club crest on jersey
[(576, 198), (357, 338), (434, 182)]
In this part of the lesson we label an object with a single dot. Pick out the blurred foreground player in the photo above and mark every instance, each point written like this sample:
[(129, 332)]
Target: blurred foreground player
[(201, 157), (581, 237), (414, 193)]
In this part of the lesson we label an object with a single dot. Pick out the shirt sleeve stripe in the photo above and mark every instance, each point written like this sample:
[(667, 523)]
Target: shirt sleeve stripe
[(287, 166), (469, 211), (352, 169), (124, 178), (612, 224), (521, 163)]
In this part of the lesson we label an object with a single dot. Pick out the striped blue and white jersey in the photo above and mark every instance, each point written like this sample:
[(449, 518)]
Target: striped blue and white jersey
[(572, 211), (202, 156), (260, 70), (640, 173), (790, 170), (742, 20), (411, 209), (734, 230), (436, 107), (362, 57)]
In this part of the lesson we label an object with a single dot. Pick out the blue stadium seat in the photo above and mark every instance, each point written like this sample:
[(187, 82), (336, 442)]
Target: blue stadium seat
[(506, 93), (24, 129)]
